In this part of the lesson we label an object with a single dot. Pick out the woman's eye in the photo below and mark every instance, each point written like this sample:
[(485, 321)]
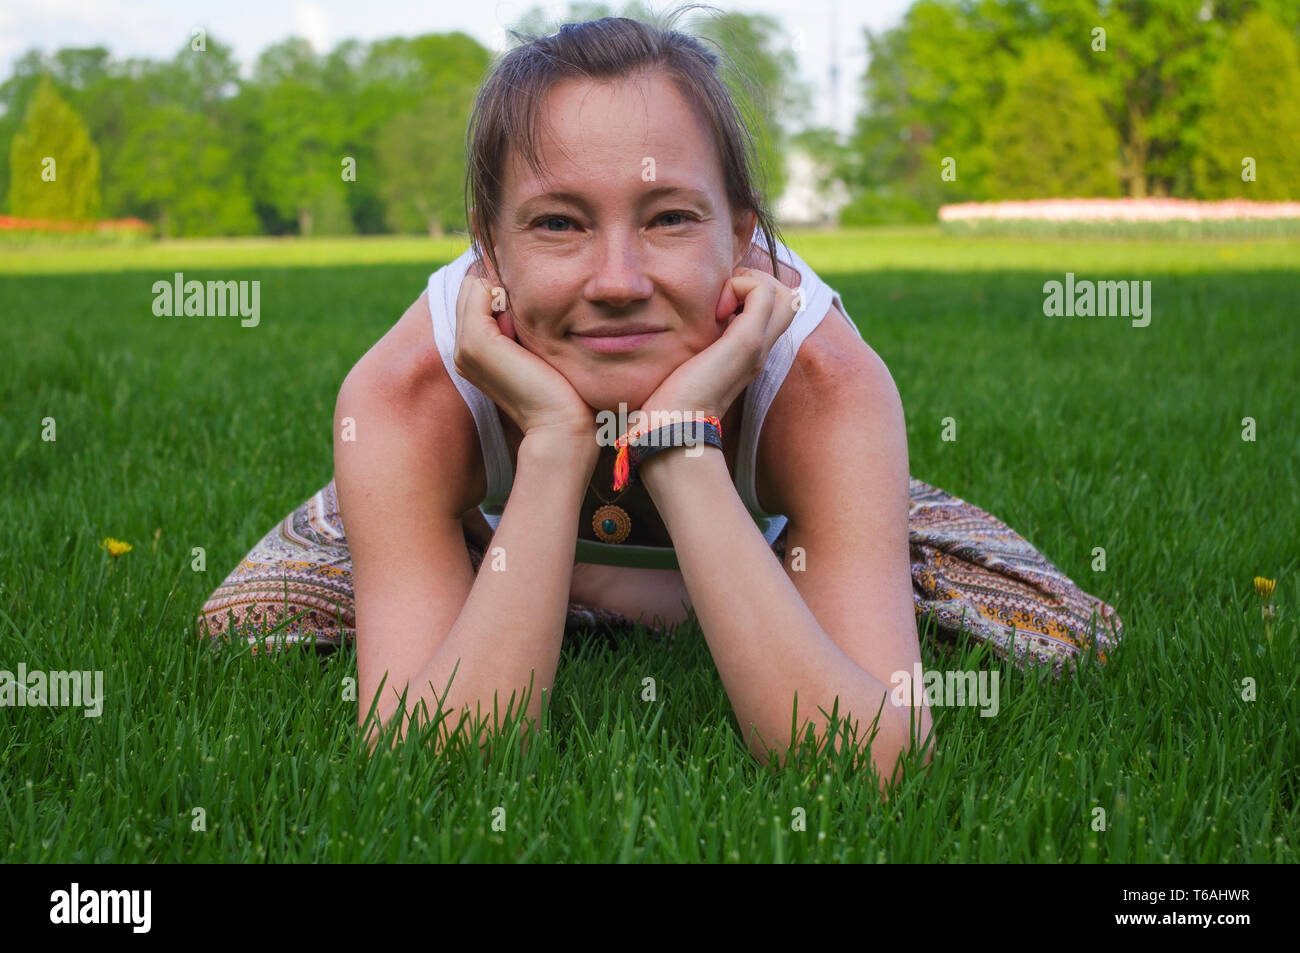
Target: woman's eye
[(546, 220)]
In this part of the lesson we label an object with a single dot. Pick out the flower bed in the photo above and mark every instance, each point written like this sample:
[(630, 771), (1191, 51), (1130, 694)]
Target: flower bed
[(1124, 218), (29, 231)]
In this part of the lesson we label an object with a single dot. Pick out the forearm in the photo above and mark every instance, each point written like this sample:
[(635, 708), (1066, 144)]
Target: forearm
[(765, 641), (512, 625)]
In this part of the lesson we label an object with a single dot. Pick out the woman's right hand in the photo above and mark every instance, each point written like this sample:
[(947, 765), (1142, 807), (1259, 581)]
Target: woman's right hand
[(536, 396)]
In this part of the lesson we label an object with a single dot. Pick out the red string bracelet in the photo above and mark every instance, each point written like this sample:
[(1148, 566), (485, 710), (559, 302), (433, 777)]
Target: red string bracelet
[(622, 468)]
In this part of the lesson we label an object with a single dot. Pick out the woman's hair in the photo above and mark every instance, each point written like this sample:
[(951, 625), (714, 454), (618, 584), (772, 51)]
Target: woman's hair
[(507, 109)]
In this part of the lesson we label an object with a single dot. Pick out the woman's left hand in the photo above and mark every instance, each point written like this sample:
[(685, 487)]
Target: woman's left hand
[(708, 383)]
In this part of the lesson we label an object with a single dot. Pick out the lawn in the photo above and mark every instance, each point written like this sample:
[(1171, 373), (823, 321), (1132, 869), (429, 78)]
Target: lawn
[(173, 433)]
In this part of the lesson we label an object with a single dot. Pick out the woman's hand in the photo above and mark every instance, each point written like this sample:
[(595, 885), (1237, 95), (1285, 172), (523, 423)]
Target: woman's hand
[(709, 382), (535, 395)]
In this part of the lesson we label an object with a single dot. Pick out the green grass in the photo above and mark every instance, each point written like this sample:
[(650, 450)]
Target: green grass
[(1078, 432)]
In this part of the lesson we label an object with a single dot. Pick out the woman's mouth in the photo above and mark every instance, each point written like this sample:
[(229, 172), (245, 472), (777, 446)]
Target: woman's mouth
[(616, 343)]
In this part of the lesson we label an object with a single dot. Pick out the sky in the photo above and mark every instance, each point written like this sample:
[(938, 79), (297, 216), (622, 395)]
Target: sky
[(159, 28)]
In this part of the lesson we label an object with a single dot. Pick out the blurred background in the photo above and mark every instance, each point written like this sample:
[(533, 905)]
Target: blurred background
[(198, 122)]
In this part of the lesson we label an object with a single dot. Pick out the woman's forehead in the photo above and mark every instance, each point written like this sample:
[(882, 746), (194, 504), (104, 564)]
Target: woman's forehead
[(597, 133)]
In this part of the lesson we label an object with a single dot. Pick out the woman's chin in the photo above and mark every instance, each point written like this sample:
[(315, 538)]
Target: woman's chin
[(607, 398)]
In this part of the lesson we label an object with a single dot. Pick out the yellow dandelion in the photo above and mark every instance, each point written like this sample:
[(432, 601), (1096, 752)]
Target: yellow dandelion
[(115, 547), (1265, 588)]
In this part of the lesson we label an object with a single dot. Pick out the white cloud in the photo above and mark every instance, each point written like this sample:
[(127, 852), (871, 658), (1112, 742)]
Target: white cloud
[(311, 21)]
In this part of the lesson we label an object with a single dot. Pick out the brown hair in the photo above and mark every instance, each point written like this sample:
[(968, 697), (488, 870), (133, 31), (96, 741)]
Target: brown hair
[(508, 105)]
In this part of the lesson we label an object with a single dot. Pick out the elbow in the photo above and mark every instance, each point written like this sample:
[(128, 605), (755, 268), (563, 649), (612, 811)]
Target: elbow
[(908, 747), (896, 739)]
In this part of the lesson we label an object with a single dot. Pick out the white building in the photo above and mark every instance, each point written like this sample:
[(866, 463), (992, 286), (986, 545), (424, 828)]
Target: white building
[(804, 202)]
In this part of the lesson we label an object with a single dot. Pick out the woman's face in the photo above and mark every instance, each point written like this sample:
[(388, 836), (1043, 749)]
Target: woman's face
[(630, 230)]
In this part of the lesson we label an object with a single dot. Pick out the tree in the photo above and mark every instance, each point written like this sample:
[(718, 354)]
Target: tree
[(1253, 111), (422, 166), (406, 128), (176, 169), (760, 71), (299, 131), (15, 94), (933, 82), (53, 165), (1050, 135), (929, 88)]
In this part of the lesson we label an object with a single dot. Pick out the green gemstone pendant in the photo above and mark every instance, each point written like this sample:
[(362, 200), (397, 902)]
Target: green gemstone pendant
[(611, 524)]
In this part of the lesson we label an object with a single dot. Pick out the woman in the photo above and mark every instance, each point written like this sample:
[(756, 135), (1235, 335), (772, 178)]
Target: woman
[(624, 261)]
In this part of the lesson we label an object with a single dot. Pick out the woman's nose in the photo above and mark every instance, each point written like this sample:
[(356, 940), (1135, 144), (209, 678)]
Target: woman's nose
[(620, 277)]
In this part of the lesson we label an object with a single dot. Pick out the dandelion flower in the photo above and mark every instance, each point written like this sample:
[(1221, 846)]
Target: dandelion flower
[(1265, 588), (115, 547)]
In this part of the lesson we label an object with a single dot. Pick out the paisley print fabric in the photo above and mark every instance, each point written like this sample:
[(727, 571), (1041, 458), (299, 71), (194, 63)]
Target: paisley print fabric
[(972, 575)]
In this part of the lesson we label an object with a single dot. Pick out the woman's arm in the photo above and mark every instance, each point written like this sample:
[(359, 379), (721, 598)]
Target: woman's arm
[(421, 615), (404, 480), (836, 626), (510, 631)]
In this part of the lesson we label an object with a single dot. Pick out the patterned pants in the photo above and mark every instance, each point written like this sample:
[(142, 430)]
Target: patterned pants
[(972, 575)]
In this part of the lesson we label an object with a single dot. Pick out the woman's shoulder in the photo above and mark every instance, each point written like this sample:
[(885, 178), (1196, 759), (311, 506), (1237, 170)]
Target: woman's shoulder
[(401, 387), (404, 367), (832, 370)]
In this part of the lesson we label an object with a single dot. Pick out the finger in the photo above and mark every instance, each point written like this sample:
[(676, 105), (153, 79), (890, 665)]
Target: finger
[(747, 279), (506, 322), (753, 293), (728, 302), (475, 300), (504, 317), (734, 289), (474, 311)]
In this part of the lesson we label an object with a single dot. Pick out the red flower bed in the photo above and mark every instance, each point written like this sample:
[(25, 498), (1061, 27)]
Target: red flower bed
[(120, 225)]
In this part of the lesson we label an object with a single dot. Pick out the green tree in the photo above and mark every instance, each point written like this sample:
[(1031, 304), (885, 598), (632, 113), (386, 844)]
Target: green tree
[(53, 165), (421, 172), (1050, 134), (176, 170), (933, 82), (15, 95), (1253, 111), (406, 127), (300, 135), (928, 90), (760, 70)]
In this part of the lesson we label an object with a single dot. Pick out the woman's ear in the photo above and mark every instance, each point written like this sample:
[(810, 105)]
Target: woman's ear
[(744, 223), (482, 267)]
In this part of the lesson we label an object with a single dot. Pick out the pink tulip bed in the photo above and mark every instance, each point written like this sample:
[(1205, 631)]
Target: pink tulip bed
[(1124, 218)]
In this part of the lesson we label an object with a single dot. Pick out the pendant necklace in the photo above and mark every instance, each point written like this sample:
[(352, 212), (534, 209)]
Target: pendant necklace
[(610, 523)]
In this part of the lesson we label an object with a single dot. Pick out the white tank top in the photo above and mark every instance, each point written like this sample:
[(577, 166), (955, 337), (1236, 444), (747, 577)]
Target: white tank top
[(444, 288)]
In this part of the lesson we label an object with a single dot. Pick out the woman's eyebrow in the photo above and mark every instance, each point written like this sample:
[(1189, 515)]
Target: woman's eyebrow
[(649, 195)]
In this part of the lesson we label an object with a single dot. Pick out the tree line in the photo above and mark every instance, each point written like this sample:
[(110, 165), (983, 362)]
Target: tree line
[(963, 100), (971, 100), (365, 138)]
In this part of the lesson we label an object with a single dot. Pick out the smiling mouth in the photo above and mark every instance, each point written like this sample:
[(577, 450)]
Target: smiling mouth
[(617, 344)]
